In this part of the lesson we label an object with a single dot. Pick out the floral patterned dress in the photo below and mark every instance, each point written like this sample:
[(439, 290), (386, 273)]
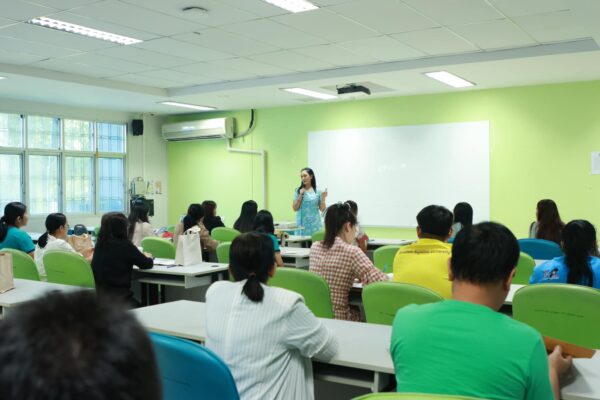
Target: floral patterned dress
[(309, 215)]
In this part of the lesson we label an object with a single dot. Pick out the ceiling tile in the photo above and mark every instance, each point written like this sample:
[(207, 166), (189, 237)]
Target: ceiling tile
[(7, 57), (257, 7), (327, 3), (326, 25), (182, 49), (7, 22), (435, 41), (109, 62), (133, 54), (292, 61), (68, 16), (63, 4), (517, 8), (495, 34), (251, 66), (215, 69), (65, 66), (336, 55), (455, 12), (21, 46), (386, 16), (177, 76), (226, 42), (23, 11), (274, 34), (139, 79), (551, 27), (138, 18), (383, 48)]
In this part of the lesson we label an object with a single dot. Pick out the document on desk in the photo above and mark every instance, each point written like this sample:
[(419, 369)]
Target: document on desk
[(167, 262)]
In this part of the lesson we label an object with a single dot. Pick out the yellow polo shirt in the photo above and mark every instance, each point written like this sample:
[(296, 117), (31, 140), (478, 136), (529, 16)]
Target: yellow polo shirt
[(425, 263)]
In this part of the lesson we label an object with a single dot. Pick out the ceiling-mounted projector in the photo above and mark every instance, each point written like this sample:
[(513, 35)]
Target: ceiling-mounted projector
[(352, 90)]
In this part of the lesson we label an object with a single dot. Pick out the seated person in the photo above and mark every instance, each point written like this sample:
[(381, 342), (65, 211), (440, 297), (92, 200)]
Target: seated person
[(339, 262), (425, 262), (193, 219), (139, 224), (580, 264), (266, 335), (11, 235), (263, 223), (463, 346), (361, 237), (76, 346), (211, 219)]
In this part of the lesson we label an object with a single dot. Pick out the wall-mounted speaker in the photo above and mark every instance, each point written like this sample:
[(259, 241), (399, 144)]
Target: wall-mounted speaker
[(137, 127)]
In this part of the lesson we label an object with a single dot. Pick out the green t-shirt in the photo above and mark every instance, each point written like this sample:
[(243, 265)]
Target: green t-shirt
[(460, 348)]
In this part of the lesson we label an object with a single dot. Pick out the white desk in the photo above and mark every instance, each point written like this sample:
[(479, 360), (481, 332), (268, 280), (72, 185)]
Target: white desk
[(295, 256), (375, 243), (296, 241), (26, 290), (186, 277), (363, 357)]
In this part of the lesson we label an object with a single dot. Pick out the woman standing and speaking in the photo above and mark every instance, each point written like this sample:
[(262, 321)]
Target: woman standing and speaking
[(308, 203)]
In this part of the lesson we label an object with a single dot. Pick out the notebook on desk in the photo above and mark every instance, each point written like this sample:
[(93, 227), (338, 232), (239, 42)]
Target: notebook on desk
[(568, 348)]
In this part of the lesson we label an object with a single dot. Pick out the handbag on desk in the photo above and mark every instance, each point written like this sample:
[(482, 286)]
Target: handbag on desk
[(6, 272), (189, 249), (80, 243)]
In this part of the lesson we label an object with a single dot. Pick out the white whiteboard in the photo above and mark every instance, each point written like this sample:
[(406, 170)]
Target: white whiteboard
[(393, 172)]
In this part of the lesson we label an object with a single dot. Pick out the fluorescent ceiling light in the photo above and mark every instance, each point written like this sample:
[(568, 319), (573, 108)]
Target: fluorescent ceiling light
[(294, 6), (82, 30), (449, 79), (311, 93), (185, 105)]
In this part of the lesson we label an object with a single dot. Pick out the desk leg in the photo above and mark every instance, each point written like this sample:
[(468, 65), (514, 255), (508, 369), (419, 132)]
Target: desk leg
[(380, 381), (163, 293), (144, 294)]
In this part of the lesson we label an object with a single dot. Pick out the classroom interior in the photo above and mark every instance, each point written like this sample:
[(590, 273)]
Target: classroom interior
[(533, 63)]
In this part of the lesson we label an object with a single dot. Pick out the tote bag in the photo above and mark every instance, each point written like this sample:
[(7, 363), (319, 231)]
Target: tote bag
[(6, 272), (80, 243), (189, 250)]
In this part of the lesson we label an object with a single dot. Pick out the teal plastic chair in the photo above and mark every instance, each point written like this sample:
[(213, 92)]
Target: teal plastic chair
[(318, 236), (68, 268), (23, 265), (525, 268), (223, 252), (566, 312), (190, 371), (159, 248), (540, 249), (311, 286), (223, 234), (383, 299), (383, 257), (411, 396)]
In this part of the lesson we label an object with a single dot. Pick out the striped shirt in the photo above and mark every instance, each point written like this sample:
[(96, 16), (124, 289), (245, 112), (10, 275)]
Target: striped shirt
[(267, 345)]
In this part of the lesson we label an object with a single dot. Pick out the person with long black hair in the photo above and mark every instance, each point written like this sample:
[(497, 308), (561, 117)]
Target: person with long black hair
[(463, 217), (548, 224), (194, 218), (266, 335), (580, 265), (245, 221), (211, 219), (263, 223), (308, 203), (139, 224), (11, 236)]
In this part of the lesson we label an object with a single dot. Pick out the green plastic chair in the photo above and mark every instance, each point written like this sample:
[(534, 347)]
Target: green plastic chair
[(311, 286), (383, 257), (159, 248), (223, 234), (383, 299), (525, 268), (96, 231), (318, 236), (561, 311), (223, 252), (415, 396), (23, 265), (68, 268)]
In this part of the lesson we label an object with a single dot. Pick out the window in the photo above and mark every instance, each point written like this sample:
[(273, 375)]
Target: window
[(62, 165)]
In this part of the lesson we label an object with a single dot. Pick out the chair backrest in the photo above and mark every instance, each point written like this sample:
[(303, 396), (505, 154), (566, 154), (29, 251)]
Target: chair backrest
[(525, 268), (566, 312), (412, 396), (23, 265), (223, 252), (540, 249), (311, 286), (383, 257), (191, 371), (383, 299), (68, 268), (223, 234), (160, 248), (318, 236)]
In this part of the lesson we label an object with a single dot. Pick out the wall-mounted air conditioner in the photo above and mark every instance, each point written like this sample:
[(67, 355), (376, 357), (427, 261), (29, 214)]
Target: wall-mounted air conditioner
[(216, 128)]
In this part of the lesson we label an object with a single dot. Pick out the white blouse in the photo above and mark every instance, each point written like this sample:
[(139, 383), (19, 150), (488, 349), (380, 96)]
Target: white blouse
[(141, 230), (53, 244), (267, 345)]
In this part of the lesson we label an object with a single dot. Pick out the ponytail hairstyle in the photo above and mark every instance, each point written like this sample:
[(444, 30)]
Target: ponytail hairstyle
[(245, 222), (252, 257), (194, 214), (579, 243), (139, 213), (53, 223), (113, 226), (336, 216), (12, 211), (313, 180), (549, 222), (463, 213), (353, 207), (263, 223)]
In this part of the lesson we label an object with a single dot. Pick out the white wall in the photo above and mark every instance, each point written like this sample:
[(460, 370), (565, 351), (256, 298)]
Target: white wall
[(146, 155)]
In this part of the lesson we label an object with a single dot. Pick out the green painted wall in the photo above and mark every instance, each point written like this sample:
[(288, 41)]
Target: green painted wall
[(541, 138)]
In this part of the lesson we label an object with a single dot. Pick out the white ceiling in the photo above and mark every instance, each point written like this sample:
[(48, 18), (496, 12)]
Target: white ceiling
[(242, 52)]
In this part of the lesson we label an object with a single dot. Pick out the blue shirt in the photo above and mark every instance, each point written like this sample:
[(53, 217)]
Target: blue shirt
[(556, 271), (17, 239)]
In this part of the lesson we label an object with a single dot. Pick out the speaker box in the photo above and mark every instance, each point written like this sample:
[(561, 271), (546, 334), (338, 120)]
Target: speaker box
[(137, 127)]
